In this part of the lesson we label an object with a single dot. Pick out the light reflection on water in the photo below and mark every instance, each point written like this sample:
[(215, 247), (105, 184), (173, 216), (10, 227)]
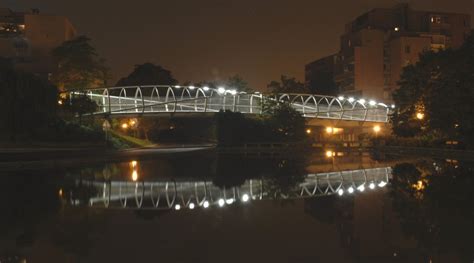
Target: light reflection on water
[(188, 194), (412, 211)]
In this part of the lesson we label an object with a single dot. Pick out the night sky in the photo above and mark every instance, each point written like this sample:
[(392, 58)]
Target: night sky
[(212, 39)]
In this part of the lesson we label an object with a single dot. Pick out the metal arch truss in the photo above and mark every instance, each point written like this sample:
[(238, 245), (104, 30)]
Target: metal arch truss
[(167, 195), (190, 99)]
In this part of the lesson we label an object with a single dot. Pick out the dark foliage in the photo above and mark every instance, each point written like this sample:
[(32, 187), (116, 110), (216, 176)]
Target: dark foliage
[(440, 86), (148, 74), (79, 66), (27, 104), (287, 85)]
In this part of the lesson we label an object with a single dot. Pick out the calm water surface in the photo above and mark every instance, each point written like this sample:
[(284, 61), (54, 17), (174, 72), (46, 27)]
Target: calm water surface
[(206, 207)]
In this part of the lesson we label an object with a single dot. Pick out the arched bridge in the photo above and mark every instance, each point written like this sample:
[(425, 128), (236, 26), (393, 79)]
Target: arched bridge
[(157, 99)]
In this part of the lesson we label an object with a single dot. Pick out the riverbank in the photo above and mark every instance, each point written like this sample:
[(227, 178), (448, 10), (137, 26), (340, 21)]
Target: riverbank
[(16, 159), (427, 152)]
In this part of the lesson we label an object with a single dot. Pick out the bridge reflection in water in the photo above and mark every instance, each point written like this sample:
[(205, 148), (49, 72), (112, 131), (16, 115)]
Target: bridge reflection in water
[(166, 195)]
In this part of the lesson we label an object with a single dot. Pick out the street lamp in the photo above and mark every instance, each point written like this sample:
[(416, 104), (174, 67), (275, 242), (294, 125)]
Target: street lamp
[(308, 131), (330, 154), (377, 129), (134, 175), (420, 115)]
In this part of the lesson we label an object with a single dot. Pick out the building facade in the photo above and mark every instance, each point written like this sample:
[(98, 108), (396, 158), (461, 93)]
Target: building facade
[(378, 44), (319, 75), (27, 39)]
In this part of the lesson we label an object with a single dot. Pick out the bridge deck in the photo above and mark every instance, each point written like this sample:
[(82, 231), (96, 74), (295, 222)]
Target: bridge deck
[(180, 99)]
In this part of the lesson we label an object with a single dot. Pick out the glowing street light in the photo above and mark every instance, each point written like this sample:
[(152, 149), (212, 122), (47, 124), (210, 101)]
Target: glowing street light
[(330, 153), (372, 102), (308, 131), (233, 92), (340, 192), (351, 99), (372, 185), (393, 106), (177, 207), (377, 129), (340, 98), (245, 198), (329, 130), (350, 190), (229, 201), (382, 184), (362, 101), (205, 204), (124, 126), (191, 87), (361, 188), (205, 88), (191, 205), (134, 175), (420, 115)]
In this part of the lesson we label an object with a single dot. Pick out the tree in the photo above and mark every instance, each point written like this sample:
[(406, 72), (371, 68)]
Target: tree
[(423, 197), (440, 87), (287, 123), (238, 83), (148, 74), (287, 85), (79, 66), (27, 103), (80, 104)]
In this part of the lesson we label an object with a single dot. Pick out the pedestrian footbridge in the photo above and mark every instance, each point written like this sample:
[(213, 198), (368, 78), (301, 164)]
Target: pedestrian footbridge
[(163, 99)]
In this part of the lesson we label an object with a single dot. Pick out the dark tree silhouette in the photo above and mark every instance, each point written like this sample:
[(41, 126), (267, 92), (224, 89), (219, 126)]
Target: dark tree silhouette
[(287, 85), (27, 103), (79, 66), (440, 86), (148, 74)]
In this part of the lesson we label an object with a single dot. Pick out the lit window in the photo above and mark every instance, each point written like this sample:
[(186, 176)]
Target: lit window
[(436, 19)]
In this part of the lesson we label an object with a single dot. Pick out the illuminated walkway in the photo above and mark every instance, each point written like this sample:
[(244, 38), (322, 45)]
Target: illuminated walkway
[(203, 194), (189, 99)]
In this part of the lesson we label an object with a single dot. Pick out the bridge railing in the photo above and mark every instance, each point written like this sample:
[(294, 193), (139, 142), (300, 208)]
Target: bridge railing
[(169, 194), (172, 99)]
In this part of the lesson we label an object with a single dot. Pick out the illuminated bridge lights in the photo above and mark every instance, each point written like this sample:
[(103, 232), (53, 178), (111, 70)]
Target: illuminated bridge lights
[(154, 99), (221, 202)]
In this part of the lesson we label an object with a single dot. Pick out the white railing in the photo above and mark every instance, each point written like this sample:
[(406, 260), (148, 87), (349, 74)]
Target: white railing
[(190, 99)]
